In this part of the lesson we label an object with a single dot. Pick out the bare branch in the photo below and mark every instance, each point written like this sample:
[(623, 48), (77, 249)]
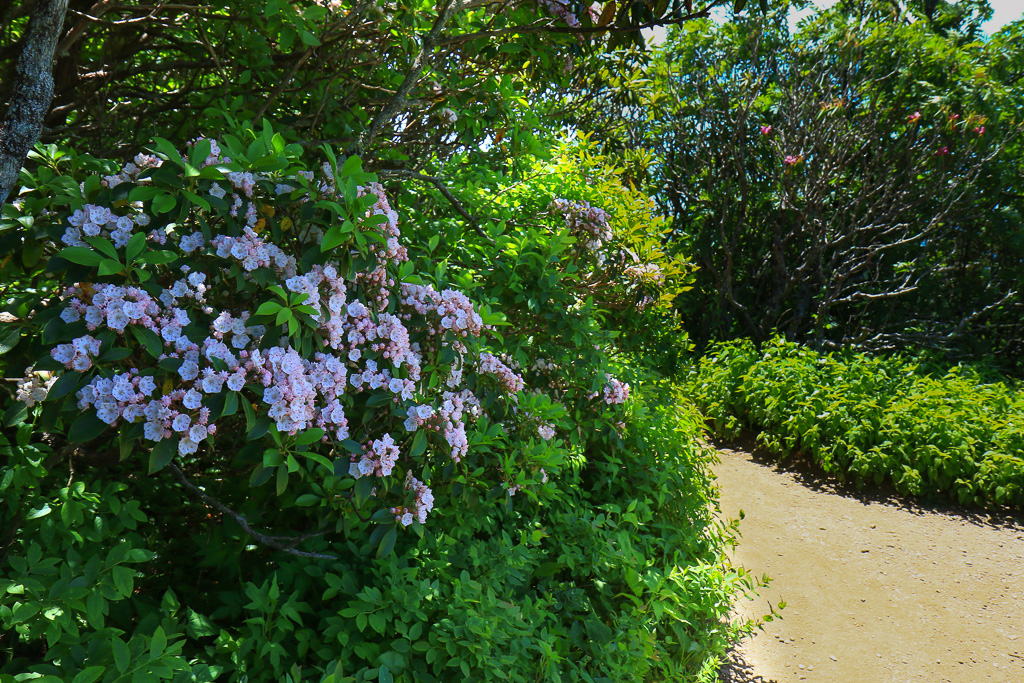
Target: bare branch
[(397, 101), (274, 542)]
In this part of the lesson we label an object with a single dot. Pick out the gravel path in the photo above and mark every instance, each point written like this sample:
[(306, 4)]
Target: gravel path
[(875, 592)]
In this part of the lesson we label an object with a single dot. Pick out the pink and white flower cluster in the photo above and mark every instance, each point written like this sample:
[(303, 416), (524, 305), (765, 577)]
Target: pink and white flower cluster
[(560, 9), (130, 172), (584, 220), (379, 458), (126, 396), (424, 502), (507, 378), (252, 252), (615, 391), (100, 221), (362, 346), (32, 388), (78, 354), (645, 272), (447, 419)]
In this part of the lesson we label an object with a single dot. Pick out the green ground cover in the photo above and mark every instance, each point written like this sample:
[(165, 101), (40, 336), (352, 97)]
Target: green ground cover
[(868, 419)]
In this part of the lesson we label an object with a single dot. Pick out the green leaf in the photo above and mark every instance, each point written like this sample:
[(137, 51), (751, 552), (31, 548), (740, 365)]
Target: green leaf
[(230, 404), (90, 675), (309, 436), (170, 364), (307, 499), (103, 245), (39, 512), (268, 308), (162, 454), (166, 148), (114, 355), (387, 543), (124, 579), (158, 257), (122, 656), (81, 256), (598, 631), (378, 400), (10, 335), (332, 239), (352, 446), (250, 414), (200, 152), (158, 642), (25, 611), (361, 491), (64, 385), (199, 626), (163, 203), (15, 414), (135, 246), (94, 609), (384, 675), (282, 480), (351, 165), (149, 339), (110, 267), (419, 443), (86, 428), (141, 193), (196, 199)]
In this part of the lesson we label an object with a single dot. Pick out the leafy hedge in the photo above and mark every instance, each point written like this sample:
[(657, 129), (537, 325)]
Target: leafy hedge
[(872, 419), (263, 433)]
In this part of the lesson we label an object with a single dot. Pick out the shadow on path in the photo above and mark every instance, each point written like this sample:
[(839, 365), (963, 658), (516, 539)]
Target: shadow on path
[(737, 670), (811, 475)]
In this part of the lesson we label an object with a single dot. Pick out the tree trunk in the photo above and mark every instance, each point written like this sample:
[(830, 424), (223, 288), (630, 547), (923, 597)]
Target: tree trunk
[(33, 90)]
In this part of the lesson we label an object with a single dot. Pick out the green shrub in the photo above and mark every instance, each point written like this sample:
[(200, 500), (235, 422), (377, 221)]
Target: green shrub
[(325, 529), (872, 419)]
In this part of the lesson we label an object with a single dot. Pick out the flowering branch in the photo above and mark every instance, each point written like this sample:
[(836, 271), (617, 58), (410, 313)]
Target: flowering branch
[(272, 541)]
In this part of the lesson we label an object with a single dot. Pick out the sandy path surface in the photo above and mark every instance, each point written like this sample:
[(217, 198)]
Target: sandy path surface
[(875, 592)]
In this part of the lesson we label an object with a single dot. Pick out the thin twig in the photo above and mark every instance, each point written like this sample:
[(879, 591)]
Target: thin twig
[(272, 541), (439, 184)]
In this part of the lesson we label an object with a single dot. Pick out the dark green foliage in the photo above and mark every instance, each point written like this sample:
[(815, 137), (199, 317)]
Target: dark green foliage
[(853, 182)]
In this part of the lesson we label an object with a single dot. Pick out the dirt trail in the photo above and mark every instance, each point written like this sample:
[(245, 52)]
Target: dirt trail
[(875, 592)]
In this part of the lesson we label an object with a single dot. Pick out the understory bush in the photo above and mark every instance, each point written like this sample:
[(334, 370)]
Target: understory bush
[(265, 432), (871, 419)]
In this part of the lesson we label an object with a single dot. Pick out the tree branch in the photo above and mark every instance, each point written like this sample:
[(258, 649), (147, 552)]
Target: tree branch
[(395, 103), (33, 90), (272, 541)]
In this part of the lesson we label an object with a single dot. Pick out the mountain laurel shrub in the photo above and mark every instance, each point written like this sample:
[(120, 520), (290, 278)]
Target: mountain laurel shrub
[(259, 435), (871, 419)]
